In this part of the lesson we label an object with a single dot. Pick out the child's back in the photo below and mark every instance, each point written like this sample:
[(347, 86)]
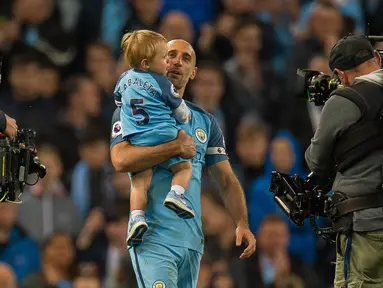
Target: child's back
[(148, 103)]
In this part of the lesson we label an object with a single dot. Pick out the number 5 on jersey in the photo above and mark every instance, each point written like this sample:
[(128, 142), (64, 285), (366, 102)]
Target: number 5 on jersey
[(139, 111)]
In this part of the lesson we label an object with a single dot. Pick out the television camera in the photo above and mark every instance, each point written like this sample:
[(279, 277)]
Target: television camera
[(316, 87), (19, 164), (304, 198)]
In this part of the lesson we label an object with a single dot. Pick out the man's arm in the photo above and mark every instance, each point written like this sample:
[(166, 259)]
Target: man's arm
[(230, 189), (128, 158), (338, 114), (231, 192), (8, 125)]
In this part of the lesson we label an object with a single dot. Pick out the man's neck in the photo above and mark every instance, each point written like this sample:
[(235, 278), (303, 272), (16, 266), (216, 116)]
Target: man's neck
[(181, 91)]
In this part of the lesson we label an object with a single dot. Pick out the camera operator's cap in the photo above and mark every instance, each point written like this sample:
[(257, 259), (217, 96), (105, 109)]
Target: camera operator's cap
[(350, 51)]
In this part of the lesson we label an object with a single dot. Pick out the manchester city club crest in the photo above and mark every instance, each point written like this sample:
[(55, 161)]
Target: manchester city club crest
[(201, 135), (159, 284)]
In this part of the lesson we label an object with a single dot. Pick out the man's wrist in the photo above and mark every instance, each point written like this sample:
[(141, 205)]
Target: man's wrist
[(174, 148), (244, 223)]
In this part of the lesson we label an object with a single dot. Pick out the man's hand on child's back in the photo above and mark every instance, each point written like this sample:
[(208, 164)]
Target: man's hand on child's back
[(187, 145)]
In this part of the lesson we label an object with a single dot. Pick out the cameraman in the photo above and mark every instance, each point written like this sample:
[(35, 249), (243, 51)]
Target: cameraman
[(358, 161), (8, 125)]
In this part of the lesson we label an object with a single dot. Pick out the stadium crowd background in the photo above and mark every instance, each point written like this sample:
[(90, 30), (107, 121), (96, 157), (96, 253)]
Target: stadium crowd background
[(61, 63)]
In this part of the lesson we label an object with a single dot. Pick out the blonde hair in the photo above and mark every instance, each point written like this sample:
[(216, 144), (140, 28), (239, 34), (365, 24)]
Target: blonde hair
[(140, 45)]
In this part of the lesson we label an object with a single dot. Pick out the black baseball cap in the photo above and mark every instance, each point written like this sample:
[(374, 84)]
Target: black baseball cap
[(350, 51)]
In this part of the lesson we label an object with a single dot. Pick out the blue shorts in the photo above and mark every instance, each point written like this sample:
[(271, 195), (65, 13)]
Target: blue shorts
[(171, 266)]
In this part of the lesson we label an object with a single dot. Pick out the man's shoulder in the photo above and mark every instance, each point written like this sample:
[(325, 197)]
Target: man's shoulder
[(339, 100), (206, 115), (198, 109)]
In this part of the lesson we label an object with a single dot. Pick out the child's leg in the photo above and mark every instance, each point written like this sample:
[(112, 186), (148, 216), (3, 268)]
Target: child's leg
[(175, 200), (182, 173), (140, 183)]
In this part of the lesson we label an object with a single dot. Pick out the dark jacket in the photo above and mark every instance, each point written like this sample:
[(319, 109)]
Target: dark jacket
[(338, 115)]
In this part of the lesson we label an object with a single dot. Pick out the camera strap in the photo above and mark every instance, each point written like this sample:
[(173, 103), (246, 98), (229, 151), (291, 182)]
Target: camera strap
[(365, 136)]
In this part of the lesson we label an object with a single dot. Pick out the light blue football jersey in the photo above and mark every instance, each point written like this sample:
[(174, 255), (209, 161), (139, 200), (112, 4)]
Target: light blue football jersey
[(148, 101), (165, 226)]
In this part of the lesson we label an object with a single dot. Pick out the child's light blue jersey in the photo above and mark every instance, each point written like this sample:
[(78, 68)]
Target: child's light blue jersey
[(150, 108)]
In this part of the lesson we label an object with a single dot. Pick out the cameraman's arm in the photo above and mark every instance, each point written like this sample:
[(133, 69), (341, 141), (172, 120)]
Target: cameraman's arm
[(8, 125), (338, 115)]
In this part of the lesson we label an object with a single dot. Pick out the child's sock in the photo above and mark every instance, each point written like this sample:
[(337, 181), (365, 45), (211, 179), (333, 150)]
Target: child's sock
[(136, 213), (178, 189)]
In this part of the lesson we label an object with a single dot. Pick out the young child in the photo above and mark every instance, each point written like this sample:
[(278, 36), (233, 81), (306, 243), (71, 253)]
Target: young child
[(150, 109)]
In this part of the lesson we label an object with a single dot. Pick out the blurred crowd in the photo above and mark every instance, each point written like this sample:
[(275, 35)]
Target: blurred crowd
[(61, 63)]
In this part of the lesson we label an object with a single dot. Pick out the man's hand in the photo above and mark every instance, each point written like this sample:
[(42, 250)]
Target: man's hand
[(187, 145), (244, 235), (11, 129)]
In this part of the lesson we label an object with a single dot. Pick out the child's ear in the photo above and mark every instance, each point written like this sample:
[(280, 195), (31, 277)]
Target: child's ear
[(145, 63)]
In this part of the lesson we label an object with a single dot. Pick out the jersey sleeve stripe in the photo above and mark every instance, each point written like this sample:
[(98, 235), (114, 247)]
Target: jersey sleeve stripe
[(215, 151)]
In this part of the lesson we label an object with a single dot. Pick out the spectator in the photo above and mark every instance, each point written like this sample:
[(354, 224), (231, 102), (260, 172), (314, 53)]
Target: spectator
[(47, 207), (220, 240), (214, 41), (57, 262), (91, 173), (102, 20), (145, 16), (16, 249), (101, 66), (272, 265), (49, 80), (82, 107), (285, 157), (248, 70), (40, 27), (208, 89), (23, 99), (251, 147), (177, 25), (108, 248)]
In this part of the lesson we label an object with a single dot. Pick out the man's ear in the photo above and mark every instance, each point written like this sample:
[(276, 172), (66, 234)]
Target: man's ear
[(194, 73), (378, 58), (340, 75)]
